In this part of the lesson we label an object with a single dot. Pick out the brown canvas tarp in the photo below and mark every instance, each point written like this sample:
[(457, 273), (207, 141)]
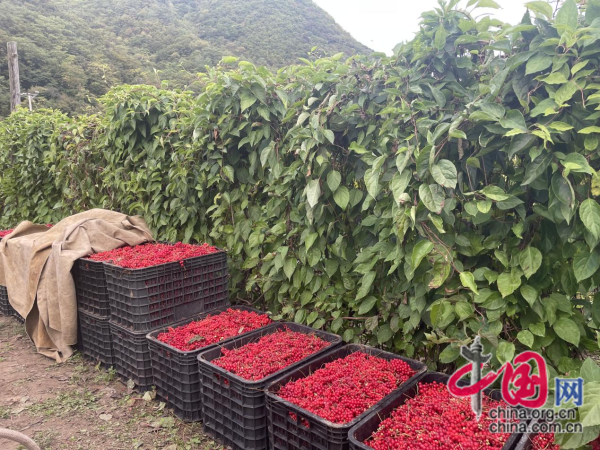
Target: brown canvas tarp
[(36, 263)]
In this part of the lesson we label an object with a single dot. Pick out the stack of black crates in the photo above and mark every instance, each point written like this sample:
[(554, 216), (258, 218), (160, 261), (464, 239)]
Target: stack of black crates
[(145, 300), (5, 307), (176, 377), (95, 338)]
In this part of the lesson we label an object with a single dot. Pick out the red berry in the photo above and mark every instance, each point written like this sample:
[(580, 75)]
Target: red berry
[(345, 388), (5, 233), (213, 329), (434, 419), (545, 441), (148, 255), (269, 354)]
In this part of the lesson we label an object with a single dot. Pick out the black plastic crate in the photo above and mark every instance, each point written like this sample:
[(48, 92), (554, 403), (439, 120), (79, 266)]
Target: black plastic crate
[(5, 308), (363, 430), (132, 356), (90, 284), (307, 430), (18, 316), (176, 374), (526, 440), (525, 443), (96, 338), (233, 408), (153, 297)]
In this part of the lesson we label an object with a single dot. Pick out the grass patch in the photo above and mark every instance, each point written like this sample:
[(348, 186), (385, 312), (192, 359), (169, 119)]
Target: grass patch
[(64, 404), (105, 376), (4, 412)]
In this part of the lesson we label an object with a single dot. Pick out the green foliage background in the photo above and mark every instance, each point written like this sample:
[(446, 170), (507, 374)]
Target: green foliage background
[(73, 51), (410, 201)]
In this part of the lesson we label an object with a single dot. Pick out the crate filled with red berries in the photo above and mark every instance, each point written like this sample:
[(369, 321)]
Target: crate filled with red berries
[(235, 375), (156, 284), (426, 416), (315, 405), (174, 351)]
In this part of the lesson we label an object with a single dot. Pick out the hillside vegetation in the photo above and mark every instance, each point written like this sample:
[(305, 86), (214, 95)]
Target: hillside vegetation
[(74, 50)]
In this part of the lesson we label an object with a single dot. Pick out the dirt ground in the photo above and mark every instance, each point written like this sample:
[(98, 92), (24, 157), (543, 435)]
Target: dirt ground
[(77, 405)]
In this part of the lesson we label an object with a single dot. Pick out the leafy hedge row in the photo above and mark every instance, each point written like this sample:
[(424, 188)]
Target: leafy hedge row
[(411, 201)]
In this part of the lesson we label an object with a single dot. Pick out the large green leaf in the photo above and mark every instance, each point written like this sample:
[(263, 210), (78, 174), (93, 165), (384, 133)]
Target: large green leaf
[(567, 15), (399, 183), (384, 334), (540, 7), (449, 354), (576, 162), (505, 352), (495, 193), (313, 192), (590, 371), (586, 264), (538, 63), (246, 101), (420, 251), (514, 120), (289, 267), (529, 293), (592, 11), (530, 260), (468, 280), (444, 173), (366, 305), (589, 211), (333, 180), (432, 196), (565, 93), (342, 196), (508, 282), (537, 167), (366, 283), (567, 330), (372, 182), (526, 338), (440, 37)]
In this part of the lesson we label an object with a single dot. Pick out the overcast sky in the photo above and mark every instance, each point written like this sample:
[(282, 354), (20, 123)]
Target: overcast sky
[(381, 24)]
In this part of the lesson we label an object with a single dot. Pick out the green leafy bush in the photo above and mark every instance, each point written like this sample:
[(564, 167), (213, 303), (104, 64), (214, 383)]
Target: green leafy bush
[(410, 201), (29, 190)]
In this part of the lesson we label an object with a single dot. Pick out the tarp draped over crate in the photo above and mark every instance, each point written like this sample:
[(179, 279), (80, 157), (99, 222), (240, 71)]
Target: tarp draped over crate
[(36, 263)]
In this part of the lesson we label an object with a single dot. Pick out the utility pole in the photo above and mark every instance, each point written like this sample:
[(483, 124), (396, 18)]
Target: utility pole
[(30, 96), (13, 75)]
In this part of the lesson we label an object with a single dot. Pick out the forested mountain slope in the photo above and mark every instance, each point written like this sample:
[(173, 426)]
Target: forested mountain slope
[(73, 50)]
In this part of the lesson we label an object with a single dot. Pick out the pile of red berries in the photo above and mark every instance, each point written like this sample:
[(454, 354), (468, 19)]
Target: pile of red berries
[(345, 388), (213, 329), (434, 419), (269, 354), (5, 233), (544, 441), (153, 254)]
